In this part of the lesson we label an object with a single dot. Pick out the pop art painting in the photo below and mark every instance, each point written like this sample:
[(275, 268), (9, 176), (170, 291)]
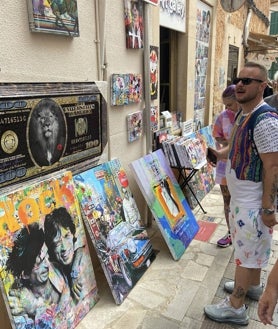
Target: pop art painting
[(46, 273), (54, 16), (134, 126), (134, 23), (166, 201), (115, 226), (135, 88), (153, 71), (120, 89)]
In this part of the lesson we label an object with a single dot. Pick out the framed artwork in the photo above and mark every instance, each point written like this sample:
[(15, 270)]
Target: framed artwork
[(114, 224), (134, 23), (56, 16), (166, 201), (135, 88), (46, 270), (126, 88), (120, 89), (153, 71), (134, 126), (50, 126), (154, 117)]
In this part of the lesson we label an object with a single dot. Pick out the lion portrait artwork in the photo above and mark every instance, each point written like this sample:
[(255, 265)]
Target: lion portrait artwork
[(47, 133)]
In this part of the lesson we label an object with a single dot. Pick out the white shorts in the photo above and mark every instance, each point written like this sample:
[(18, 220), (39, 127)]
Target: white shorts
[(251, 238)]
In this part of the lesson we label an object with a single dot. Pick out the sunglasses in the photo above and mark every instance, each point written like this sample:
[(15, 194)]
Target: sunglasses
[(245, 81)]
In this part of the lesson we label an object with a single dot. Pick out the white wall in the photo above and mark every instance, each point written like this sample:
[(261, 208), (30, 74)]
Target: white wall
[(34, 57), (39, 57)]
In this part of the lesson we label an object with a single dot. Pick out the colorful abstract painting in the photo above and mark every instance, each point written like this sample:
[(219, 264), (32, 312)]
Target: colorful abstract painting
[(126, 89), (120, 89), (114, 223), (135, 88), (47, 277), (166, 201)]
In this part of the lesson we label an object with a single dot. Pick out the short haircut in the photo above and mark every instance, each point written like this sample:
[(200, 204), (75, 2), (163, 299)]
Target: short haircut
[(27, 246), (53, 221), (261, 67)]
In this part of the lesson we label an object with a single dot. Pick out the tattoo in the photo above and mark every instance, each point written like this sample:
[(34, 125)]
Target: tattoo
[(273, 190), (239, 292), (274, 187)]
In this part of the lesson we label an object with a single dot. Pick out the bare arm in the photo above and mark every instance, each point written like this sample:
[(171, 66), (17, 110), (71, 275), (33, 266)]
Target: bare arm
[(222, 141), (270, 178), (269, 298)]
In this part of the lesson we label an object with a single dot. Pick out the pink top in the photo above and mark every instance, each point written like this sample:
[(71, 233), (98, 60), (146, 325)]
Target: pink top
[(223, 128)]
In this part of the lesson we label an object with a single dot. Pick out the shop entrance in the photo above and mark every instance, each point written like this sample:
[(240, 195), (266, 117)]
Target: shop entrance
[(232, 64), (168, 46)]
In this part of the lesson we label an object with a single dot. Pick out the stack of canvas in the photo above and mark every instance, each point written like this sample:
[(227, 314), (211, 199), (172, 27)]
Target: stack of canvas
[(184, 152)]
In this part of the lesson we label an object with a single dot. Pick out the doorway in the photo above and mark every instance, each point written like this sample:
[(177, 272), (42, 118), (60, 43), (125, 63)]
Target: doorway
[(167, 75), (232, 64)]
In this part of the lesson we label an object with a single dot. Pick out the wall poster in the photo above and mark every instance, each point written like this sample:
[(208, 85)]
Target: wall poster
[(126, 88), (115, 227), (46, 274), (203, 30), (134, 126), (154, 71), (49, 126), (134, 23), (172, 14), (166, 201), (58, 17)]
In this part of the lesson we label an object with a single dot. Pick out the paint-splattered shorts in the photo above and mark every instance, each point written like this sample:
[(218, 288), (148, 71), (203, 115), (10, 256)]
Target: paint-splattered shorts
[(251, 238)]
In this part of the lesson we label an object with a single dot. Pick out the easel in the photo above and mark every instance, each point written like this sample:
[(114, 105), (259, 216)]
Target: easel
[(185, 178)]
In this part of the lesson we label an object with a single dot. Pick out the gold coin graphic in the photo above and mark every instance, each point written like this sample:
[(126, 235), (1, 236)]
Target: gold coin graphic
[(9, 141)]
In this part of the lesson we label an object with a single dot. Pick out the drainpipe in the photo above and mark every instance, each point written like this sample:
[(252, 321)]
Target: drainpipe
[(147, 81), (246, 31), (100, 22)]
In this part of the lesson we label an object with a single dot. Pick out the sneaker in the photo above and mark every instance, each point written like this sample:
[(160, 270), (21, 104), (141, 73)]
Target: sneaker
[(224, 312), (226, 241), (254, 292)]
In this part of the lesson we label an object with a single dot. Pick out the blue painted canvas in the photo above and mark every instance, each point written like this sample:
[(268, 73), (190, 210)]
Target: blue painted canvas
[(166, 201)]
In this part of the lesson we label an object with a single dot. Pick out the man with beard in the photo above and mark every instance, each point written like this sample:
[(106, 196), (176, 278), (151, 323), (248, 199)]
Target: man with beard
[(252, 171)]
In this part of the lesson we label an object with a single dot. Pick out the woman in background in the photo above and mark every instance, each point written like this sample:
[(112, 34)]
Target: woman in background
[(221, 132)]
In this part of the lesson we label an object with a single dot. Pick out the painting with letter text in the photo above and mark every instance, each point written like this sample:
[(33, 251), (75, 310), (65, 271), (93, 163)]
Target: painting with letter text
[(46, 127), (46, 274)]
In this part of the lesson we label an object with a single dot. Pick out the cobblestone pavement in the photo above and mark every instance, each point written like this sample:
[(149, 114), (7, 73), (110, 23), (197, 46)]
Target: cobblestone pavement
[(172, 294)]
